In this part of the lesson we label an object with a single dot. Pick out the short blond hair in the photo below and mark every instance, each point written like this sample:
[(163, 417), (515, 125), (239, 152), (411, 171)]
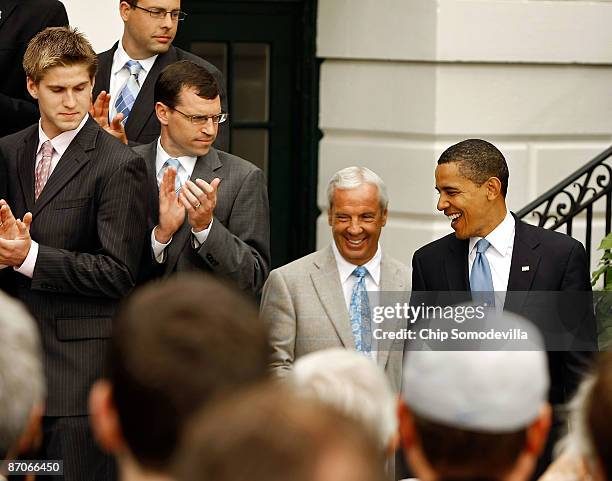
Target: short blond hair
[(58, 46)]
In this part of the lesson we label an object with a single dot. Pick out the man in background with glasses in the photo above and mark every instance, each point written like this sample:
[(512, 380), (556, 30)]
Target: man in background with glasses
[(127, 72), (208, 209)]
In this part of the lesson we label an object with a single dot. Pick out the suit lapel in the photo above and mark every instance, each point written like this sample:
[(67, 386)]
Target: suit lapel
[(204, 169), (25, 166), (326, 281), (104, 71), (73, 160), (390, 282), (456, 268), (142, 109), (523, 267), (150, 157)]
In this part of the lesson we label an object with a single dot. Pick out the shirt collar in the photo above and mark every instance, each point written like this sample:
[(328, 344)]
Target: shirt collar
[(186, 161), (501, 238), (345, 268), (121, 57), (60, 142)]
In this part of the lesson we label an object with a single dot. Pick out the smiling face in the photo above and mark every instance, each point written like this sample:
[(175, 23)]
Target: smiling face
[(143, 35), (179, 136), (474, 211), (64, 95), (357, 219)]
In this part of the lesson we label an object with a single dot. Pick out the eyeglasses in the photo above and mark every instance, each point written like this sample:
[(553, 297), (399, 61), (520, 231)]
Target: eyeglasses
[(160, 13), (203, 119)]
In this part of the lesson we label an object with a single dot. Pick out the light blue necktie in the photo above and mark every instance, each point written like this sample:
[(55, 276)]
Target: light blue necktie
[(171, 162), (481, 281), (359, 312), (130, 90)]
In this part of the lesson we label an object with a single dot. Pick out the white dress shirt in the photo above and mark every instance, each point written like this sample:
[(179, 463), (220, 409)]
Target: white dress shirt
[(60, 144), (187, 164), (119, 75), (372, 281), (499, 255)]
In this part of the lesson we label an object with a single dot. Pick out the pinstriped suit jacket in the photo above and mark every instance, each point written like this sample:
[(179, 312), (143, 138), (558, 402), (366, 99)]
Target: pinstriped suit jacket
[(238, 245), (90, 224)]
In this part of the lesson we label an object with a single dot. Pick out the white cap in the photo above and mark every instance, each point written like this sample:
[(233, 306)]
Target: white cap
[(490, 391)]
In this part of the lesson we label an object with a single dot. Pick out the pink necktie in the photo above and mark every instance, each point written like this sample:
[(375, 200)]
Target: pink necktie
[(43, 168)]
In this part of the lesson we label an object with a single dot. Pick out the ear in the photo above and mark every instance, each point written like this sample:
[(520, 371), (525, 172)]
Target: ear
[(162, 113), (124, 11), (537, 432), (104, 417), (32, 87), (384, 217), (31, 437), (329, 216), (406, 424), (493, 188)]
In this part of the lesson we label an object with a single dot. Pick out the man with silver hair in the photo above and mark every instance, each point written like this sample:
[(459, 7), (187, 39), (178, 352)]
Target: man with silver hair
[(323, 299), (356, 387), (22, 383)]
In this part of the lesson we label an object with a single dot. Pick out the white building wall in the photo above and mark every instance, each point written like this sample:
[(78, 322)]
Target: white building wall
[(98, 19), (403, 80)]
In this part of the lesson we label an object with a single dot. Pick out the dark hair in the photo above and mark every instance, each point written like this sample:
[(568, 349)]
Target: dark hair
[(184, 74), (268, 433), (58, 46), (475, 454), (598, 409), (478, 161), (176, 346)]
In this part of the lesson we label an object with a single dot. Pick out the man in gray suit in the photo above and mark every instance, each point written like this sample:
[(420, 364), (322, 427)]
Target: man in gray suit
[(208, 209), (76, 254), (315, 302)]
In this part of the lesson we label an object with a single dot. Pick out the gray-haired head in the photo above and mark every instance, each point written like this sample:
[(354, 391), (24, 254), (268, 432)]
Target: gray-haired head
[(354, 385), (22, 382), (353, 177)]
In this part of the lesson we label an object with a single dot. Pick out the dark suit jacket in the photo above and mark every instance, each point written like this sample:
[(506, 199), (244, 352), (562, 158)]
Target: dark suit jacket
[(89, 222), (19, 22), (238, 245), (142, 125), (557, 263)]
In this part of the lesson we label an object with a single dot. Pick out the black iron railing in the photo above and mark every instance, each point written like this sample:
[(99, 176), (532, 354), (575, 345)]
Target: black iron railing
[(574, 195)]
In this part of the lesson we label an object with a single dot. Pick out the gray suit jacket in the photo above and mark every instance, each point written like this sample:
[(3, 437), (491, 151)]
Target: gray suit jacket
[(89, 222), (304, 306), (238, 246)]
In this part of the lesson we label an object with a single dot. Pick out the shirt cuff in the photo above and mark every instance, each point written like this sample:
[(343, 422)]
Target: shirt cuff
[(27, 268), (200, 237), (159, 249)]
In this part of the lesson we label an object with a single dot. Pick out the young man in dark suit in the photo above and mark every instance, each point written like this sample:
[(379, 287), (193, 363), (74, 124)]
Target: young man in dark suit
[(208, 209), (80, 194), (20, 20), (128, 71), (492, 250)]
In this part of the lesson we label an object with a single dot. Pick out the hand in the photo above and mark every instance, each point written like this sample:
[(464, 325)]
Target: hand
[(171, 211), (14, 252), (8, 224), (200, 201), (99, 111)]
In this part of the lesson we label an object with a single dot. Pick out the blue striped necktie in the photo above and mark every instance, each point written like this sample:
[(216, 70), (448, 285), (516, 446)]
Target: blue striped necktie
[(481, 280), (130, 90), (172, 162), (359, 312)]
